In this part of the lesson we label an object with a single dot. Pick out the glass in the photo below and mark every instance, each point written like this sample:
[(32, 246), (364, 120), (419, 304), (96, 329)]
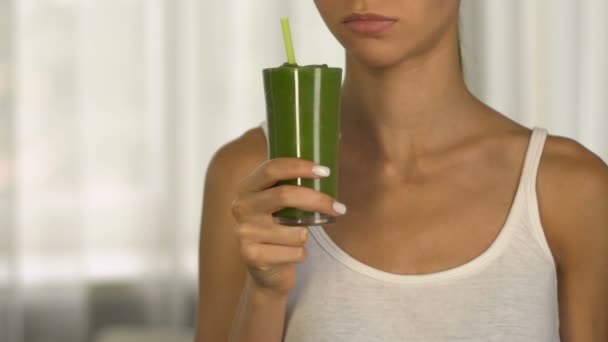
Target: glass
[(303, 116)]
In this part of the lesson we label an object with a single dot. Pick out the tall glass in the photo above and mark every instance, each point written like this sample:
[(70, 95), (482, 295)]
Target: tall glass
[(303, 116)]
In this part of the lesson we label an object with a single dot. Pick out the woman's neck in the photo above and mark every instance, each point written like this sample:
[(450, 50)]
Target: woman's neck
[(393, 115)]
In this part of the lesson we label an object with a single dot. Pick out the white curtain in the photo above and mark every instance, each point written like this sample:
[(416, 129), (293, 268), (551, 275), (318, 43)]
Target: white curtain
[(542, 62), (101, 228), (110, 111)]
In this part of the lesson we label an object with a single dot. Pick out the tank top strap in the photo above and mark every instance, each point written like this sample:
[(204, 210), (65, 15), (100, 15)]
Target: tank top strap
[(529, 180), (264, 126), (533, 155)]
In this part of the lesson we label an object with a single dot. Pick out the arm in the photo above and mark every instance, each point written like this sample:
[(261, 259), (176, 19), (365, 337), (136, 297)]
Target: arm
[(222, 272), (260, 317), (575, 193)]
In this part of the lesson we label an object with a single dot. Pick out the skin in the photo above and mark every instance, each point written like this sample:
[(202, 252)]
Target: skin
[(412, 136)]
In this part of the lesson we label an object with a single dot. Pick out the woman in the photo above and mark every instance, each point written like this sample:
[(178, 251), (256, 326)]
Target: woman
[(462, 225)]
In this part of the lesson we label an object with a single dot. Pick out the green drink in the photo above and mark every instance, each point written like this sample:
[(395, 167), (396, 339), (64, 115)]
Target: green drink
[(303, 116)]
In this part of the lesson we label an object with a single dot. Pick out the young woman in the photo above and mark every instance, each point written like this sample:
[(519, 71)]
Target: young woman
[(462, 225)]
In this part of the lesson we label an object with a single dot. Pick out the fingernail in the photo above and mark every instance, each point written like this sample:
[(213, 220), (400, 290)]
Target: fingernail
[(339, 208), (322, 171)]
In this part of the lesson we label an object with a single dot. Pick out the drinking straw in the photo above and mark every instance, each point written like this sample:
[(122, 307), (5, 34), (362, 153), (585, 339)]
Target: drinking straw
[(291, 56)]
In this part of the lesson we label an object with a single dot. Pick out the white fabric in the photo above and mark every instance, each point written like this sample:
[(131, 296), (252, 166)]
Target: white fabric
[(508, 293)]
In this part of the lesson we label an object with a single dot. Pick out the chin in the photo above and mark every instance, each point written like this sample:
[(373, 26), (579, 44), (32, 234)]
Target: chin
[(374, 56)]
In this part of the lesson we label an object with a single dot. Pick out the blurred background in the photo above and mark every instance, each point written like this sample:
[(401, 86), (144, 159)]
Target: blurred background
[(110, 111)]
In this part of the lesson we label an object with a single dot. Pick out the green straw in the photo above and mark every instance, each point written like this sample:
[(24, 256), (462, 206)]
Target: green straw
[(291, 56)]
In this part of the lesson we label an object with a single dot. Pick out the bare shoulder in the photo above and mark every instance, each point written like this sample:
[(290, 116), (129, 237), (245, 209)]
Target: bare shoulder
[(238, 156), (573, 197)]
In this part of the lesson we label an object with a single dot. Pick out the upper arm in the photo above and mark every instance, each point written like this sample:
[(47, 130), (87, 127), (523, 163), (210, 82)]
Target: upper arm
[(221, 270), (576, 215)]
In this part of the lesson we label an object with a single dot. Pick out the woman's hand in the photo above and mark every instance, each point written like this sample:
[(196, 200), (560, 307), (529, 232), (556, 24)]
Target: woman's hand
[(270, 250)]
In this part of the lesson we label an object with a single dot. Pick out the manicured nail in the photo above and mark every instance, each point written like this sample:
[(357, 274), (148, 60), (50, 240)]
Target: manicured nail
[(339, 208), (322, 171)]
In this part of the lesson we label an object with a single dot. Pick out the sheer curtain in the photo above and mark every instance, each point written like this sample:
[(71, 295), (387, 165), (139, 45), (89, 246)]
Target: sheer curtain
[(110, 111), (542, 62), (93, 169)]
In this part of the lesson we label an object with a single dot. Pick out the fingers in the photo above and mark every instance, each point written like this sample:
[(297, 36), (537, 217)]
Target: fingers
[(276, 198), (273, 234), (294, 196), (262, 256), (257, 196), (274, 170)]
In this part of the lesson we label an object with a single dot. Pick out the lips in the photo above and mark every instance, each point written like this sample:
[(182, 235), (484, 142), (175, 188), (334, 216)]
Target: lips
[(368, 23)]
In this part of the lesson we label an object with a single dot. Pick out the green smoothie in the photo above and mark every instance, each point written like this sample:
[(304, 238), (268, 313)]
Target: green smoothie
[(303, 116)]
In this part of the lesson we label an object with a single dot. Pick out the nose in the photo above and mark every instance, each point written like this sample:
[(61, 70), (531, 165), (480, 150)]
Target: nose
[(359, 6)]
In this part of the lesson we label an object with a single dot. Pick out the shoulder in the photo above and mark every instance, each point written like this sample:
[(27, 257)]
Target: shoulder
[(238, 156), (574, 170), (573, 197)]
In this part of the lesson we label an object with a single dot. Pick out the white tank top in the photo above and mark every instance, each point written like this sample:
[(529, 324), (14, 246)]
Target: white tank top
[(508, 293)]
